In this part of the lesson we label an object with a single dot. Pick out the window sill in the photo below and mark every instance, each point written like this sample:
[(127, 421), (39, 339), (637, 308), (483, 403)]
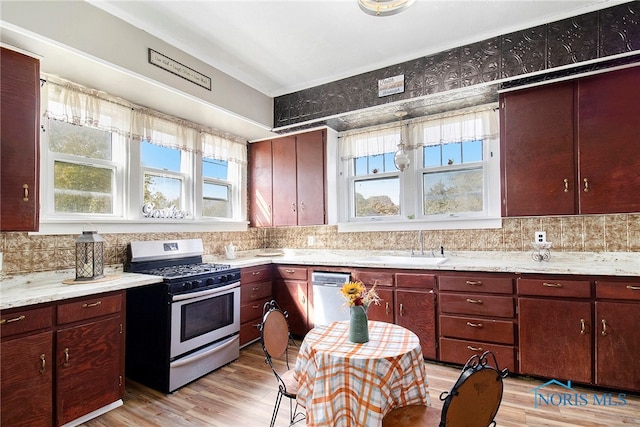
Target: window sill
[(452, 224), (138, 226)]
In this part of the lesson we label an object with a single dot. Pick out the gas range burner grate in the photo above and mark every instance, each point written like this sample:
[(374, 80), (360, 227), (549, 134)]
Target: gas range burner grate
[(186, 270)]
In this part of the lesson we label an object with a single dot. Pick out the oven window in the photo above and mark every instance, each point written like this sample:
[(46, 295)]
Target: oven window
[(205, 316)]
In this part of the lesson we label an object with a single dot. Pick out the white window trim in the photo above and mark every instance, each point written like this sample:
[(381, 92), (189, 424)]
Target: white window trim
[(411, 187)]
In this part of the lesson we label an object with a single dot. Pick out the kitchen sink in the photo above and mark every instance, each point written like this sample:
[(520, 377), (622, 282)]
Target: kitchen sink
[(401, 260)]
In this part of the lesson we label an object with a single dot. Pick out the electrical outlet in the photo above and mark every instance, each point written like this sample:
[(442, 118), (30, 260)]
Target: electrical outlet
[(540, 237), (311, 240)]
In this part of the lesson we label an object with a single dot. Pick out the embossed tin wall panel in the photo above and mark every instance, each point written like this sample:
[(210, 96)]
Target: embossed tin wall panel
[(575, 40)]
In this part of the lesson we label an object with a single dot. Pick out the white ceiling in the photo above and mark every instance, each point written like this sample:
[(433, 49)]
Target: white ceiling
[(280, 46)]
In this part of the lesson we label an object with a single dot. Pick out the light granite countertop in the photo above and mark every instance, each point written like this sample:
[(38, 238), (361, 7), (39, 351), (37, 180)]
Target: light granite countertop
[(36, 288), (576, 263)]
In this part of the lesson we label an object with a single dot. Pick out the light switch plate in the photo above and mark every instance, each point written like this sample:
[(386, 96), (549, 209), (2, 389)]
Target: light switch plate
[(540, 237)]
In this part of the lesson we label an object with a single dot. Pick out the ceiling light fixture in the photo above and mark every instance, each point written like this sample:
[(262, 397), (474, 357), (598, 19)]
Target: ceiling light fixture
[(401, 158), (384, 7)]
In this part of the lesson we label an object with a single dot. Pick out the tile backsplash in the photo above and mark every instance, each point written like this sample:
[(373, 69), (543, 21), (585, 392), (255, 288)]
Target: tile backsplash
[(24, 253)]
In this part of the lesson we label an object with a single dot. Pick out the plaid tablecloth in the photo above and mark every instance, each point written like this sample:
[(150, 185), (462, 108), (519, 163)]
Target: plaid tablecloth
[(354, 385)]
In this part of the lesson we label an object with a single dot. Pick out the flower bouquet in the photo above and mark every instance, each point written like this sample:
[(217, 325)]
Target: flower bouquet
[(358, 299)]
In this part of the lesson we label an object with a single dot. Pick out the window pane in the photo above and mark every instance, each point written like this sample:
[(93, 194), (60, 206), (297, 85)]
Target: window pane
[(453, 192), (377, 197), (376, 164), (215, 202), (472, 151), (452, 153), (213, 168), (79, 140), (431, 154), (156, 156), (82, 188), (162, 191), (360, 166)]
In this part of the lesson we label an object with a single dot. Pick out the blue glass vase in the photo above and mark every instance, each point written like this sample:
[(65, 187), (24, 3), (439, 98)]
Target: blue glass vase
[(358, 325)]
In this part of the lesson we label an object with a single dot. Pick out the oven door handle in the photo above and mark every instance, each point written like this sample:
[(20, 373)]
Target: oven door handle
[(187, 360), (213, 291)]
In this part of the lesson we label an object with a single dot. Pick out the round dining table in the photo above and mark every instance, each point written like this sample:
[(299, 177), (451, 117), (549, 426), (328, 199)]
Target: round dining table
[(343, 384)]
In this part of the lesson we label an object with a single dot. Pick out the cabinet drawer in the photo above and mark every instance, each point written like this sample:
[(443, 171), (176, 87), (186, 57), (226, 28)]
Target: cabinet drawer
[(21, 321), (555, 287), (254, 291), (252, 310), (413, 280), (498, 331), (249, 332), (258, 273), (476, 283), (100, 305), (373, 276), (459, 351), (483, 305), (618, 290), (291, 272)]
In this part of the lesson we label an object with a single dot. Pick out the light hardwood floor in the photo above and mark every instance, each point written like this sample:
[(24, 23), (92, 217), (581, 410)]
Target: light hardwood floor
[(242, 394)]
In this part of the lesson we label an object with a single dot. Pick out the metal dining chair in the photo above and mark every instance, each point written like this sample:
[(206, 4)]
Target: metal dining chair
[(276, 340), (472, 402)]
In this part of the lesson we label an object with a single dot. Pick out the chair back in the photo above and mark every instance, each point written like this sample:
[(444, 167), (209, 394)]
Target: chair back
[(274, 331), (476, 396)]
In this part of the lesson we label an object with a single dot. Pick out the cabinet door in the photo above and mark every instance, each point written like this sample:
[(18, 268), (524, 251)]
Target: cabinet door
[(260, 184), (310, 176), (415, 310), (556, 338), (609, 142), (20, 133), (384, 311), (618, 345), (537, 151), (292, 296), (285, 203), (89, 368), (26, 380)]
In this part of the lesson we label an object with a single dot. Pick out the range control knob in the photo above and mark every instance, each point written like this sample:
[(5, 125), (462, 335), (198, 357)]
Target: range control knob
[(210, 281), (196, 284)]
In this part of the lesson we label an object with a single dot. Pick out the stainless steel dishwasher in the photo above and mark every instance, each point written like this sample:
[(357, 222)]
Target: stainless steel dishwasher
[(328, 304)]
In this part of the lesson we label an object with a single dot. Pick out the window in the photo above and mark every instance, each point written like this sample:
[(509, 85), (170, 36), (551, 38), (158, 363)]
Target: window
[(216, 190), (84, 169), (453, 173), (107, 160)]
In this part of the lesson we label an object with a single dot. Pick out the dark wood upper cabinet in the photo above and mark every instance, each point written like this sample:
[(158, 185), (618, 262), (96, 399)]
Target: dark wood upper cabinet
[(19, 141), (572, 147), (287, 180), (608, 134)]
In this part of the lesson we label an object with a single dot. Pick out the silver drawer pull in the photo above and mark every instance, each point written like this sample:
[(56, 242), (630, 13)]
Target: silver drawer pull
[(95, 304), (474, 325), (256, 273), (474, 283), (474, 348), (633, 288), (474, 301), (15, 319), (552, 285)]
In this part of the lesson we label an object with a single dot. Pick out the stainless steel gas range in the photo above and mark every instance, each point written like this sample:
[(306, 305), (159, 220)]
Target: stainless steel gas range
[(188, 325)]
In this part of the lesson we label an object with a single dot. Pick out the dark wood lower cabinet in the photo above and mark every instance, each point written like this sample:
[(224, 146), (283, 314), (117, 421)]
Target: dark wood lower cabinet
[(416, 311), (618, 345), (88, 369), (27, 378), (556, 339)]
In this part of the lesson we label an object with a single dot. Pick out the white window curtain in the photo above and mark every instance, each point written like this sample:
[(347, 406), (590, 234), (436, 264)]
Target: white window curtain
[(479, 123), (223, 148), (73, 103), (482, 124), (76, 104), (369, 143)]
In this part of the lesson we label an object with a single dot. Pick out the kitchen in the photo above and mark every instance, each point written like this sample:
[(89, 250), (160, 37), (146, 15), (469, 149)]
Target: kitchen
[(614, 234)]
